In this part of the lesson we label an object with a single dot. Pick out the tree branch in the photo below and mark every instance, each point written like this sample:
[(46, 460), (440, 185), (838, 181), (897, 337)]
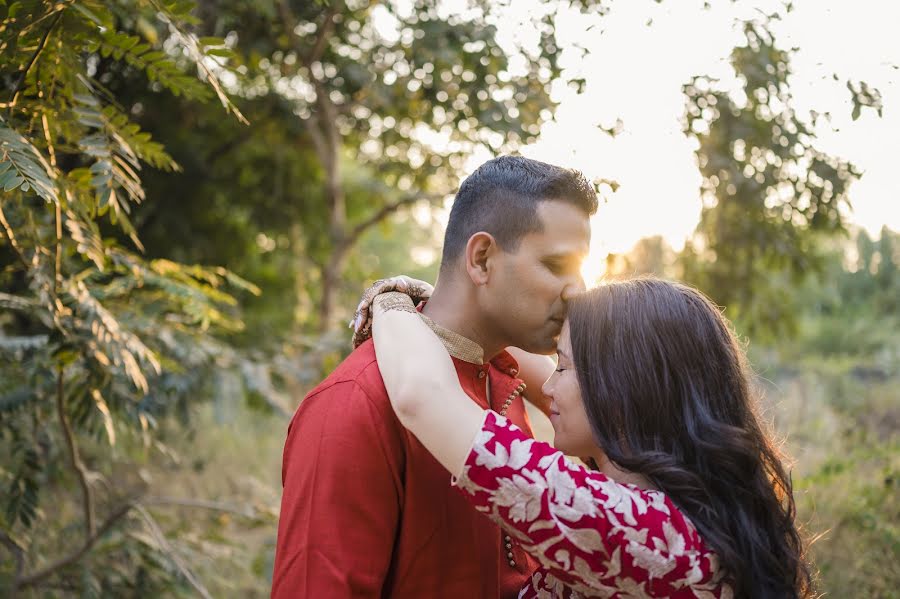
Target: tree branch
[(77, 465), (318, 140), (384, 212), (176, 559), (322, 33), (18, 554), (331, 161), (40, 48), (76, 555), (201, 504), (8, 231)]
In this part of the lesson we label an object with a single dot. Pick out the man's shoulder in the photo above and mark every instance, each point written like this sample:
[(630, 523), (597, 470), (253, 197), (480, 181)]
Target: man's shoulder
[(357, 373)]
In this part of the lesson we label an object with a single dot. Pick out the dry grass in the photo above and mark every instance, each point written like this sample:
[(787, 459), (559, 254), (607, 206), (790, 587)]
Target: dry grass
[(840, 428)]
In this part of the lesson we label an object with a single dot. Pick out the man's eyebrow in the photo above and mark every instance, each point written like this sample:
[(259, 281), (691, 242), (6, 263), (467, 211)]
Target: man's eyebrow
[(565, 258), (566, 255)]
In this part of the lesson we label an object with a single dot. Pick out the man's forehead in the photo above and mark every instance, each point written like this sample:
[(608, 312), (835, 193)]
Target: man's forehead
[(566, 229)]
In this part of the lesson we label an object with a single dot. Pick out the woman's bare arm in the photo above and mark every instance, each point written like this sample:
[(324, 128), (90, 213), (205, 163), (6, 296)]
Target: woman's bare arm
[(422, 383), (534, 370)]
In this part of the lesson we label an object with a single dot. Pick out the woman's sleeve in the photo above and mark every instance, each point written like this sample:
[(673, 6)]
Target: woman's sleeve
[(592, 533)]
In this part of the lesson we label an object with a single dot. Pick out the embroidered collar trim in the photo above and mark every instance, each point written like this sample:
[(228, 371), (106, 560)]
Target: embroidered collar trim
[(461, 348)]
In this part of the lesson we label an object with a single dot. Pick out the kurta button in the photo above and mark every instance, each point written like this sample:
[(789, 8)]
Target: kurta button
[(512, 564), (513, 372), (481, 374)]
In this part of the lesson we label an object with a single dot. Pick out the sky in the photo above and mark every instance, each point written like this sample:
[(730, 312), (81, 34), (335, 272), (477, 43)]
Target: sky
[(634, 71)]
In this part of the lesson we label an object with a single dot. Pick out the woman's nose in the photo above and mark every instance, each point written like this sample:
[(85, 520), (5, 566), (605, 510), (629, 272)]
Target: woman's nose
[(547, 387)]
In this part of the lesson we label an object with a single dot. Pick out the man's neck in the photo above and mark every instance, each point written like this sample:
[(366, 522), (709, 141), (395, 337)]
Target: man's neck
[(451, 308)]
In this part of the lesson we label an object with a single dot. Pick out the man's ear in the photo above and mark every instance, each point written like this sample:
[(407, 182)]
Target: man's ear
[(480, 249)]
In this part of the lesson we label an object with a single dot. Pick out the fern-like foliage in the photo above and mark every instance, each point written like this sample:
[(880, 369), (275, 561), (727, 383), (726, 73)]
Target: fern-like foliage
[(23, 490), (23, 167), (95, 340), (157, 64)]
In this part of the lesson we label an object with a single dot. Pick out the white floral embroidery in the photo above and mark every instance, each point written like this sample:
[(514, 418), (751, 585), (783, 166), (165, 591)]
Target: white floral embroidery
[(523, 498), (658, 544), (561, 484), (492, 460), (674, 541), (655, 563), (465, 483), (520, 453), (563, 558), (657, 501), (614, 565), (592, 536), (586, 539), (632, 589)]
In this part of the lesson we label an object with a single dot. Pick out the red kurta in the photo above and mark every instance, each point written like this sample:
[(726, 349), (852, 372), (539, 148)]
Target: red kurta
[(368, 512)]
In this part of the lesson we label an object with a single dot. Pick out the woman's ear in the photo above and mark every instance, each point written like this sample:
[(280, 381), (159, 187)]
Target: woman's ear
[(480, 248)]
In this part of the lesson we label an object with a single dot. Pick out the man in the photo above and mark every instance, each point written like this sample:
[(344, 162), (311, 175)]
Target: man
[(366, 511)]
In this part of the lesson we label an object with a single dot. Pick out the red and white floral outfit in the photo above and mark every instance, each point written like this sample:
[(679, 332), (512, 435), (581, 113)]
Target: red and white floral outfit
[(592, 536)]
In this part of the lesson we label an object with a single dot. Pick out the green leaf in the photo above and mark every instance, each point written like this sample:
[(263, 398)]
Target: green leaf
[(15, 401), (86, 99), (92, 16), (221, 52), (90, 121), (154, 56), (13, 183), (27, 163)]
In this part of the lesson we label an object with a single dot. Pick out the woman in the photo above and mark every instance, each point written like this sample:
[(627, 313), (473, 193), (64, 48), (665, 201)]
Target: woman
[(686, 497)]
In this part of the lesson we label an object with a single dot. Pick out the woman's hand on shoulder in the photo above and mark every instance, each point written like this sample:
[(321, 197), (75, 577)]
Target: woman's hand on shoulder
[(362, 321)]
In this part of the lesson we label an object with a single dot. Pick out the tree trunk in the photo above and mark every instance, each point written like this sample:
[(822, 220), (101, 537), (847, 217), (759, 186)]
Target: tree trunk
[(331, 276)]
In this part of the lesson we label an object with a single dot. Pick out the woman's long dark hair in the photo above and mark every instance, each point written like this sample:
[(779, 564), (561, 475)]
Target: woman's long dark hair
[(666, 388)]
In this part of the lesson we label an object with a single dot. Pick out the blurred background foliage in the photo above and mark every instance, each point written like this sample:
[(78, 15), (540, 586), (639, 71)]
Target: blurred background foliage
[(194, 195)]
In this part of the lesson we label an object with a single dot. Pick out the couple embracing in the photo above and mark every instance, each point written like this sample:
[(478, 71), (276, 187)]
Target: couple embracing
[(411, 471)]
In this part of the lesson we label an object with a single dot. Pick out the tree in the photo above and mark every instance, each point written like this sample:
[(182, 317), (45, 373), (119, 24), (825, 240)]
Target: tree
[(768, 192), (97, 341), (649, 256), (390, 102)]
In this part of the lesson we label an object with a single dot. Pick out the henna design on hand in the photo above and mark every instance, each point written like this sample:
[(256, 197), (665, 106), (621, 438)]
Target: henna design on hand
[(362, 319), (394, 300)]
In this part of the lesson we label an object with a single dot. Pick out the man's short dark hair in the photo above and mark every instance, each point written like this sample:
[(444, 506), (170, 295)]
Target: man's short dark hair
[(501, 198)]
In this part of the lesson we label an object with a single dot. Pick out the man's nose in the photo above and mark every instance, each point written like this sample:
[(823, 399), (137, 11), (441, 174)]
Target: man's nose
[(573, 288)]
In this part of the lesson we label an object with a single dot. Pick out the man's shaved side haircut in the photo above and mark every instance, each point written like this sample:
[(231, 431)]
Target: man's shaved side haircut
[(501, 198)]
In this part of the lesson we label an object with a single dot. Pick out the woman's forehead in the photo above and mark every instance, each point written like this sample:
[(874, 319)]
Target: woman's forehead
[(564, 345)]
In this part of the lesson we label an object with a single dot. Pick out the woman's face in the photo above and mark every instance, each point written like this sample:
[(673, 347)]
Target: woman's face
[(570, 423)]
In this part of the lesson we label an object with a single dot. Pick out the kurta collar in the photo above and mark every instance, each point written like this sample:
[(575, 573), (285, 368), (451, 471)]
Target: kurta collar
[(461, 348)]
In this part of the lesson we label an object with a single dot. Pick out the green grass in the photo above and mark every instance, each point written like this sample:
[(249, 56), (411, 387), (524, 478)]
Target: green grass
[(840, 418)]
